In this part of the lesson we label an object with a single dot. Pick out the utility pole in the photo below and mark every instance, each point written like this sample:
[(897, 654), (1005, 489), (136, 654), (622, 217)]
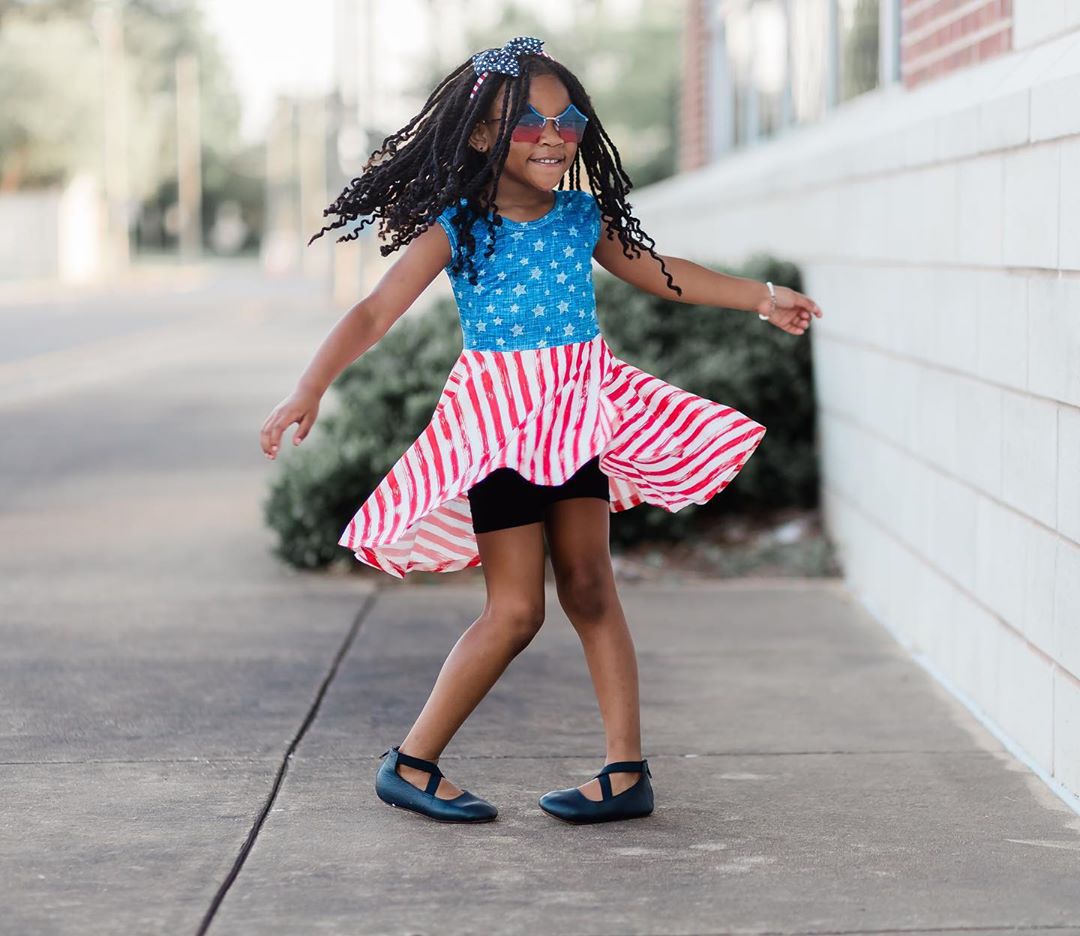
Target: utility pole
[(311, 175), (188, 155), (108, 24)]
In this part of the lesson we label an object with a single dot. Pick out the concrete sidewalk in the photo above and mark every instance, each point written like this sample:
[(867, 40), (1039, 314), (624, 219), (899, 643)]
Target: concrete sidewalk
[(809, 779), (191, 730)]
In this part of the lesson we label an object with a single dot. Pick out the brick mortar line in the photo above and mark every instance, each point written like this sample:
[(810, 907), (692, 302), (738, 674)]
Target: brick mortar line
[(910, 37), (911, 66), (1055, 665), (907, 357), (814, 186)]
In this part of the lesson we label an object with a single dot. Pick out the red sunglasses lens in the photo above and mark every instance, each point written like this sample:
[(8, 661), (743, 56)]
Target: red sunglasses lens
[(528, 134)]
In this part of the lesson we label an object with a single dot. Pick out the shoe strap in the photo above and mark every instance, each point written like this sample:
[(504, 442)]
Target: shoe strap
[(626, 766), (420, 764), (605, 785), (629, 766)]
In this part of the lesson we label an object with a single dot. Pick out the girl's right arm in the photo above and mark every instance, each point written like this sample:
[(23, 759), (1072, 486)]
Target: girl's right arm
[(356, 332)]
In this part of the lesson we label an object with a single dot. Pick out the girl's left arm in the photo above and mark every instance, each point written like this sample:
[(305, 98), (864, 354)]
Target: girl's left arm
[(702, 286)]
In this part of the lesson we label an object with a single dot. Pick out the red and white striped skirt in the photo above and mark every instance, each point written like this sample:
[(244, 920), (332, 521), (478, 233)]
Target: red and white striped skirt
[(545, 412)]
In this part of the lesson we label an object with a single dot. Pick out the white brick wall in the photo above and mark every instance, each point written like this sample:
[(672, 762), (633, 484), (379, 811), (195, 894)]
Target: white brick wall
[(940, 231)]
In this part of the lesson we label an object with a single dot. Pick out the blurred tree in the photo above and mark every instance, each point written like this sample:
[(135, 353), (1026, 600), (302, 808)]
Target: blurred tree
[(52, 94), (629, 66), (51, 126)]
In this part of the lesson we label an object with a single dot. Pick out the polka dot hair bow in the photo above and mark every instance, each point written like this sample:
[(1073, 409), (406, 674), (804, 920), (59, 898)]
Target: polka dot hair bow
[(504, 60)]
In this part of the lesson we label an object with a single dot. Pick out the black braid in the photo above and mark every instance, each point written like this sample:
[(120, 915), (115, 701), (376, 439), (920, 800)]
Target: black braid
[(436, 167)]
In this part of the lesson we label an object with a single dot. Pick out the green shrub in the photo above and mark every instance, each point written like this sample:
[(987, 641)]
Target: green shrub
[(385, 399)]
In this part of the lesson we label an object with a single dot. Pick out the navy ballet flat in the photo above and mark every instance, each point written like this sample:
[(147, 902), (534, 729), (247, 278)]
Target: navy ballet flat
[(394, 789), (574, 806)]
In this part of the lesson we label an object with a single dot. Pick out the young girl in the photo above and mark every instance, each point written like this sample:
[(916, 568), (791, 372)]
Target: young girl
[(539, 429)]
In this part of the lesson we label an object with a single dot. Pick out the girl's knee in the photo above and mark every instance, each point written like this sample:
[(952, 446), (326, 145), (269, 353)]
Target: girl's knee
[(518, 621), (586, 593)]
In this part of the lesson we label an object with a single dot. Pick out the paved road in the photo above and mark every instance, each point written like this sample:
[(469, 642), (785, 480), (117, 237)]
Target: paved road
[(191, 730)]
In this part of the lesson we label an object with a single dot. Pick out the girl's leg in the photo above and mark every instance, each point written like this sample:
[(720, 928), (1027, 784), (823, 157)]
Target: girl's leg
[(512, 561), (578, 539)]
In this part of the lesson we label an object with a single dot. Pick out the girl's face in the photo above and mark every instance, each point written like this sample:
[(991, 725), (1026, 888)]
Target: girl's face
[(523, 160)]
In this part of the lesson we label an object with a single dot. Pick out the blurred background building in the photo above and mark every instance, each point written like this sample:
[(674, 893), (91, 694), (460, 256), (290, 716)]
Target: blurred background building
[(920, 160)]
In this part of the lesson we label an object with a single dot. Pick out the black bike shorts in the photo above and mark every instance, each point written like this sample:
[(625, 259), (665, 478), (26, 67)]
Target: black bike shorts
[(505, 499)]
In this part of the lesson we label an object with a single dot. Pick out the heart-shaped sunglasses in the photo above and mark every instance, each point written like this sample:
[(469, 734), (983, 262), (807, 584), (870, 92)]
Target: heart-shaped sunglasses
[(570, 125)]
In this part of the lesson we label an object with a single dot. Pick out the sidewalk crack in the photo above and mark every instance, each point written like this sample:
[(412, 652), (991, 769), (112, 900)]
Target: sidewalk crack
[(313, 711)]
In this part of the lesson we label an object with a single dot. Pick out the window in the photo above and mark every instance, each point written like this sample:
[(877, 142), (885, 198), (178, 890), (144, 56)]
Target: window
[(784, 62), (809, 58), (756, 36), (858, 30)]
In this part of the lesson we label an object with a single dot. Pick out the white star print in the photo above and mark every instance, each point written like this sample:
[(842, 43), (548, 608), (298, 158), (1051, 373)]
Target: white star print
[(498, 320), (519, 289), (554, 264), (517, 330), (561, 278), (571, 288), (535, 273), (514, 307), (578, 267), (502, 276), (517, 235), (569, 330), (479, 288), (481, 326), (541, 343), (524, 261), (538, 245), (538, 311), (500, 341), (581, 314), (509, 256), (573, 232), (564, 305), (490, 308), (548, 328), (568, 251), (498, 292)]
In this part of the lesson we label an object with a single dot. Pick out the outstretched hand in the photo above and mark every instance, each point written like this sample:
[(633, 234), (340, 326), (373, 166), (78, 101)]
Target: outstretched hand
[(302, 407), (793, 310)]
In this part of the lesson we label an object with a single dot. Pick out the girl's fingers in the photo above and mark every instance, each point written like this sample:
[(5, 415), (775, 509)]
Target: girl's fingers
[(266, 437), (277, 427), (302, 429)]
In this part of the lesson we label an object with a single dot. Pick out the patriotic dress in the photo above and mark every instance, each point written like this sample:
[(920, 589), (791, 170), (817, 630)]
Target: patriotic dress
[(537, 389)]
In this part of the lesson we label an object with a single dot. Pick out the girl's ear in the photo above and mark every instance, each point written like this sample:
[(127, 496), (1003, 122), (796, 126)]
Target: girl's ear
[(478, 139)]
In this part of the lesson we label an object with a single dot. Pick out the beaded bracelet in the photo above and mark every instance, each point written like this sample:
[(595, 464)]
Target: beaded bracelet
[(772, 296)]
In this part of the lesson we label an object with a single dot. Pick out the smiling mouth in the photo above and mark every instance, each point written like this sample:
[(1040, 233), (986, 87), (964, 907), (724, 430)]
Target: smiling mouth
[(549, 161)]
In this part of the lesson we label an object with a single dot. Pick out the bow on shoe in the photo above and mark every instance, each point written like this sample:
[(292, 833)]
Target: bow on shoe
[(505, 60)]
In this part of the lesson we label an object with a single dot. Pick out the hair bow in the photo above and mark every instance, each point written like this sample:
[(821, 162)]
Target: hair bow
[(504, 60)]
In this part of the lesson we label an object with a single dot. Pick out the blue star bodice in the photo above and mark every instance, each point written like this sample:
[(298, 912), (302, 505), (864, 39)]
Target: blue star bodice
[(536, 289)]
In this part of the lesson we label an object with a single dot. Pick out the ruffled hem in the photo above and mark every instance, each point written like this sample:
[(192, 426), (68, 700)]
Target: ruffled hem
[(545, 413)]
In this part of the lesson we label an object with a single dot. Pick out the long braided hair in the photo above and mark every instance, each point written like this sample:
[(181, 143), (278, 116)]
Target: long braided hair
[(429, 165)]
